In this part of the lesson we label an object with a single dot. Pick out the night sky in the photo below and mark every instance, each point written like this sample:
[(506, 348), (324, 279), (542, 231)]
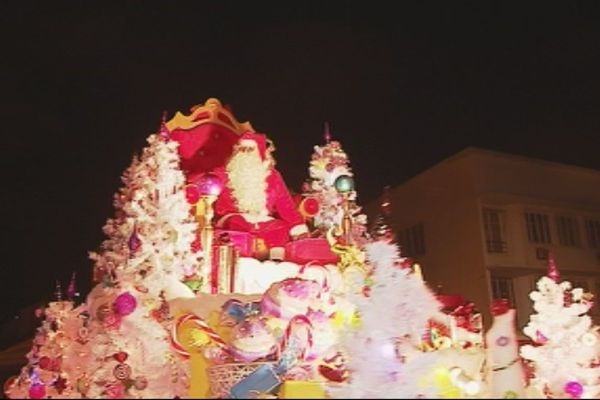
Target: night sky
[(82, 88)]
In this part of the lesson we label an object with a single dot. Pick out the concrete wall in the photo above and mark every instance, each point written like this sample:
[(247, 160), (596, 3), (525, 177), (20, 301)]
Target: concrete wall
[(444, 200), (448, 199)]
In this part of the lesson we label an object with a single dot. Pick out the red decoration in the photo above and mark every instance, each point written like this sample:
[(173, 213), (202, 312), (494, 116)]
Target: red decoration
[(500, 307), (315, 250), (333, 369), (121, 356), (125, 304), (134, 242), (309, 207), (192, 194), (45, 363), (37, 391), (60, 384), (552, 269)]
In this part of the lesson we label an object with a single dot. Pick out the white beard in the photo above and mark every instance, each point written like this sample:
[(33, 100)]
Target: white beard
[(248, 182)]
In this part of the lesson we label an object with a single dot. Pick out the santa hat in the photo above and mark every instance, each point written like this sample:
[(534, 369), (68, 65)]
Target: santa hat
[(257, 139)]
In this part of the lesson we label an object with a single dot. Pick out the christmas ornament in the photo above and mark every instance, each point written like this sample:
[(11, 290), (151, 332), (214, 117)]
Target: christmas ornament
[(209, 185), (45, 363), (589, 339), (122, 372), (333, 369), (540, 338), (140, 383), (125, 304), (121, 356), (115, 390), (60, 384), (309, 207), (37, 391), (344, 183), (192, 193), (552, 269), (502, 341), (574, 389), (134, 242)]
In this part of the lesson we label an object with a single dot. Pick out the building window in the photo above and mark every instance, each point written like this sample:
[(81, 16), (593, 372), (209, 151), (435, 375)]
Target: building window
[(493, 226), (568, 231), (412, 240), (538, 228), (592, 228), (502, 288)]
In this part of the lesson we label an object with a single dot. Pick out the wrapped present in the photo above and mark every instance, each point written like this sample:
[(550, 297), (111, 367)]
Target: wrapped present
[(316, 250), (302, 390), (243, 241), (223, 273), (264, 379)]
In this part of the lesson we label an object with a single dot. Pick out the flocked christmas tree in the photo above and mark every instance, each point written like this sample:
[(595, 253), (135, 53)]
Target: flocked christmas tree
[(329, 162), (384, 360), (141, 265), (139, 268), (566, 349), (58, 353)]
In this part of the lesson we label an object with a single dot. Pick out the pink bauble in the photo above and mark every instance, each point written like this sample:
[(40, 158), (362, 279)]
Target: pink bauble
[(125, 304), (209, 184), (574, 389), (37, 391)]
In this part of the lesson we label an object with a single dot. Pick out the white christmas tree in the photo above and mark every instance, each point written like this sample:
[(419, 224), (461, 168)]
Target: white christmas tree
[(566, 350), (383, 356), (59, 347), (117, 344), (329, 162)]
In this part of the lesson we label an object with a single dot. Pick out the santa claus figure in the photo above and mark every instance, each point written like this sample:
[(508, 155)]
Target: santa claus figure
[(255, 198)]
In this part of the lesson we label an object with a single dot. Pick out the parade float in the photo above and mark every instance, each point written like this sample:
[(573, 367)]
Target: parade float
[(216, 282)]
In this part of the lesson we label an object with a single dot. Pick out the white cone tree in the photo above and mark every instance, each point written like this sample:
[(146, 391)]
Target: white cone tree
[(566, 350), (329, 162), (138, 269), (383, 356), (59, 347)]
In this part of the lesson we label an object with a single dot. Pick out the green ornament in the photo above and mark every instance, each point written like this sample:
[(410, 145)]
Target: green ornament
[(510, 395)]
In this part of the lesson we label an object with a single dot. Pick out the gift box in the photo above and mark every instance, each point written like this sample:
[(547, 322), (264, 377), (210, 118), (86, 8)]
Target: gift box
[(302, 390), (243, 241), (223, 272), (316, 250)]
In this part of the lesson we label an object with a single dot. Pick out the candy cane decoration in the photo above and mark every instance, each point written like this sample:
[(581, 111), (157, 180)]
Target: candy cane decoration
[(325, 283), (204, 327), (295, 322)]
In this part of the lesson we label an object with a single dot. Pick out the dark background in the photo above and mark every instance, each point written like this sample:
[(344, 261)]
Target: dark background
[(82, 86)]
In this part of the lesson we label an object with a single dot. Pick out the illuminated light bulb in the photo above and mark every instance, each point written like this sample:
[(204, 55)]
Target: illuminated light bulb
[(388, 350), (471, 388)]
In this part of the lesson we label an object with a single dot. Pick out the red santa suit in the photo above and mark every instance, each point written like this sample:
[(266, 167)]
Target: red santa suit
[(275, 219)]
